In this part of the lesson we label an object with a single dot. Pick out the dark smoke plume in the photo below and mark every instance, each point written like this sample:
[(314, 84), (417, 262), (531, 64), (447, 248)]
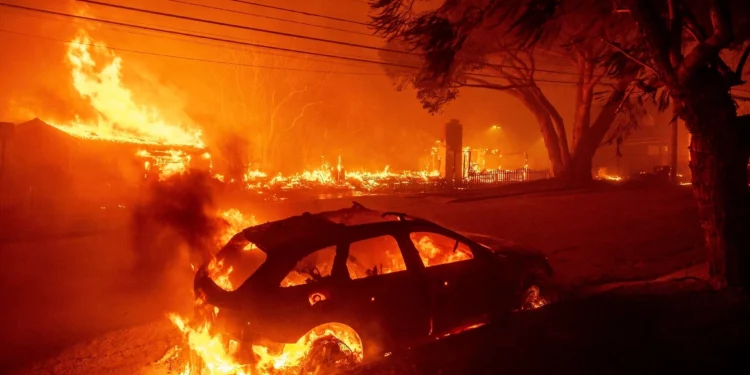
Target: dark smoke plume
[(171, 215)]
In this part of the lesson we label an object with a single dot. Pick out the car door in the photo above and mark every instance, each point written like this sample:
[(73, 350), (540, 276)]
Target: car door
[(388, 298), (457, 285), (306, 297)]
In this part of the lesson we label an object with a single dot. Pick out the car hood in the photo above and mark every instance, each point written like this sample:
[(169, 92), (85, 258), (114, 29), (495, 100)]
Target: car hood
[(511, 251)]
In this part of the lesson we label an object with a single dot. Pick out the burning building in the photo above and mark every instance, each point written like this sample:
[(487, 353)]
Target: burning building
[(44, 164)]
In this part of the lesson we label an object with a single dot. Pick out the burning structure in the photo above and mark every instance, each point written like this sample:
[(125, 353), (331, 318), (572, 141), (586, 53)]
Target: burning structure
[(128, 142)]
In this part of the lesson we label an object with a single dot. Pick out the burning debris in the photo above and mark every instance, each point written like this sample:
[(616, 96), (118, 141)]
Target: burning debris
[(168, 148)]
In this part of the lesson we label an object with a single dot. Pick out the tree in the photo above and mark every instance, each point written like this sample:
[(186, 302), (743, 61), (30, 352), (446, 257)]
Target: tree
[(682, 62), (263, 101), (687, 61), (467, 44)]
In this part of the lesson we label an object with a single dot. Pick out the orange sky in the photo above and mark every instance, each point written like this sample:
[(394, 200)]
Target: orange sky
[(358, 115)]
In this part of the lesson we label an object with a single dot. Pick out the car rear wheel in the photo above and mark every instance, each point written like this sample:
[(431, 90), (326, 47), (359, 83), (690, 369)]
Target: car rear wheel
[(328, 349), (328, 355), (536, 290)]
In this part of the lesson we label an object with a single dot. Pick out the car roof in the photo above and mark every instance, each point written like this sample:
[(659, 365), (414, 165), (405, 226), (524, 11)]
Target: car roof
[(308, 232)]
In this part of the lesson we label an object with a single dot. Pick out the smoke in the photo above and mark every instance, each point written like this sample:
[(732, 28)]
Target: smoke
[(175, 217), (234, 151)]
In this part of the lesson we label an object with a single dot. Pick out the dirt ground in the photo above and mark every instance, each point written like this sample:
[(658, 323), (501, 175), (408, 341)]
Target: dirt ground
[(74, 306)]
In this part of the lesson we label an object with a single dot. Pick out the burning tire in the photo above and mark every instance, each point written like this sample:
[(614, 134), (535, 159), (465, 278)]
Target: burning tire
[(328, 355), (537, 290), (326, 349)]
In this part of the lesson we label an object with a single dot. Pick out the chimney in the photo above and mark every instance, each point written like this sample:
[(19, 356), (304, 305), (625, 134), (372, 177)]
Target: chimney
[(452, 138)]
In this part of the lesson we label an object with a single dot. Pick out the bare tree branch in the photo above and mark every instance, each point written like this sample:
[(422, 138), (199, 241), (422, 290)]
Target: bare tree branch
[(631, 57), (743, 60), (721, 20), (656, 35), (302, 113), (675, 28), (493, 86)]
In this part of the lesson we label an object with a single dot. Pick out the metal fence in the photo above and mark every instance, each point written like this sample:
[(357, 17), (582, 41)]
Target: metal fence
[(504, 176)]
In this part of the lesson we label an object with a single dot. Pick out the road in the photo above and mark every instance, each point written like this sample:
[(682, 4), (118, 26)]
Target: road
[(69, 291)]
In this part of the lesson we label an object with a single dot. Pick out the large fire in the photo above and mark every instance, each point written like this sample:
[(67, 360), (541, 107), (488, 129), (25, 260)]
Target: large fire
[(217, 354), (167, 149), (120, 118), (214, 354), (171, 148)]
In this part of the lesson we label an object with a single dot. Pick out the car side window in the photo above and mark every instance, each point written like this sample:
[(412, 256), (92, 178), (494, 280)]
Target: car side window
[(311, 268), (374, 256), (436, 249)]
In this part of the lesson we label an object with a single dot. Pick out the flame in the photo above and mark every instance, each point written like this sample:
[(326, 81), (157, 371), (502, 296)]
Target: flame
[(292, 355), (236, 221), (168, 163), (121, 119), (334, 176), (601, 174), (534, 299), (433, 255), (215, 357), (218, 354)]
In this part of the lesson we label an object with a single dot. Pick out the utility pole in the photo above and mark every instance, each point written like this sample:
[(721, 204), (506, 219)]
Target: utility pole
[(673, 150), (6, 132)]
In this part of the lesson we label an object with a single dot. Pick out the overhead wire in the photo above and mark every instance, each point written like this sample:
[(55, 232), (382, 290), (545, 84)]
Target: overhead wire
[(191, 58), (243, 27), (201, 20), (207, 37), (272, 18), (152, 34), (219, 39), (252, 3)]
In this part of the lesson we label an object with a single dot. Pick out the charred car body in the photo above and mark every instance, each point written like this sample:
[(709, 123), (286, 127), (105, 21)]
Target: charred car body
[(395, 280)]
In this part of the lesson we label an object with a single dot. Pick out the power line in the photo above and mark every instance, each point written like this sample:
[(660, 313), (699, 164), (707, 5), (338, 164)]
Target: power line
[(301, 12), (249, 28), (218, 39), (284, 34), (184, 40), (272, 18), (191, 58), (206, 37)]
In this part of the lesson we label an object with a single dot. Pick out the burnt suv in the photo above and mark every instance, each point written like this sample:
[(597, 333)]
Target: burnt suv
[(397, 281)]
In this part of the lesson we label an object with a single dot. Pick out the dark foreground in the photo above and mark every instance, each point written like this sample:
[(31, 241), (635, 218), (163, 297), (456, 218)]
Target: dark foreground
[(657, 329), (666, 328), (74, 306)]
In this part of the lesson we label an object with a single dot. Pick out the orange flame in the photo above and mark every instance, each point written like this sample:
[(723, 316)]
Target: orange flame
[(433, 255), (121, 119)]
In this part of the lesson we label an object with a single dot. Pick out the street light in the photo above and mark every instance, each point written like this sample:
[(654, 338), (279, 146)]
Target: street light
[(495, 127)]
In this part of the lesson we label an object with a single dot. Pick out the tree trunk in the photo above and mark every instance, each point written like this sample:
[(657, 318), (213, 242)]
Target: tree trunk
[(549, 135), (579, 170), (591, 136), (718, 161), (558, 126), (551, 142)]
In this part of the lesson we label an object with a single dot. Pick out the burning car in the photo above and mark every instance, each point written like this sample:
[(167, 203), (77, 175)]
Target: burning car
[(374, 282)]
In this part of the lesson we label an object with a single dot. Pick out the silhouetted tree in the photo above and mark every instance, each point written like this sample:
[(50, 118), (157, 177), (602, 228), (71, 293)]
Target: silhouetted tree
[(679, 46), (469, 43), (685, 40)]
